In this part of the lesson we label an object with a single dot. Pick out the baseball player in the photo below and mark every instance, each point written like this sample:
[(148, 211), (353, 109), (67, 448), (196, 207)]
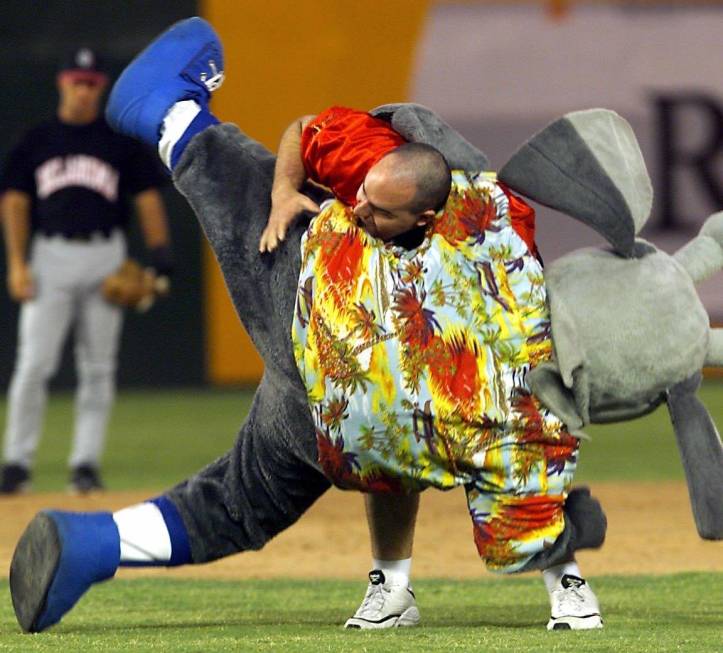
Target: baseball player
[(272, 474), (64, 208)]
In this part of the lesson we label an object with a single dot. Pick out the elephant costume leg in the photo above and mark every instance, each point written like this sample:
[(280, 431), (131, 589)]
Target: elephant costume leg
[(701, 451), (270, 477)]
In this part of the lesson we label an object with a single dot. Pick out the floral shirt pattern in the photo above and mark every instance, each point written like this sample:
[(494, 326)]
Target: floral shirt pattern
[(415, 361)]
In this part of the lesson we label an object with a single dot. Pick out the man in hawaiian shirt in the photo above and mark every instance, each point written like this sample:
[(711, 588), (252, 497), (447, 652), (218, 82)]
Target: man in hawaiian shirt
[(419, 313)]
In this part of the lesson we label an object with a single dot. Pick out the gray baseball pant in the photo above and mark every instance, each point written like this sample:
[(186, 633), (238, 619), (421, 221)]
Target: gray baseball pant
[(68, 275), (271, 475)]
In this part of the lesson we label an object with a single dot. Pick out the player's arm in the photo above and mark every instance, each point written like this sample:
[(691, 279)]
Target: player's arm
[(289, 176), (15, 208), (154, 226)]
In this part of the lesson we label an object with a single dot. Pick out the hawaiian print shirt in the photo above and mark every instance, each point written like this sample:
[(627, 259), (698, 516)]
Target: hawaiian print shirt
[(415, 360)]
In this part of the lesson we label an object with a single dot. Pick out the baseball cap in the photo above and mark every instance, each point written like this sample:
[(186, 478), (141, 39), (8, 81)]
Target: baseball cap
[(83, 64)]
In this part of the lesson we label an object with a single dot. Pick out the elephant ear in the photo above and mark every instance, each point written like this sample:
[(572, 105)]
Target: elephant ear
[(588, 165), (702, 455), (418, 124)]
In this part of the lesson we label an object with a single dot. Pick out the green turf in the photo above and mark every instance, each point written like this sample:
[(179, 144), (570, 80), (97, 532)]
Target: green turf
[(644, 449), (155, 438), (642, 614), (159, 437)]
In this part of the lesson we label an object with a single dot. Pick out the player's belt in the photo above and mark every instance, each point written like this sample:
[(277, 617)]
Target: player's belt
[(81, 236)]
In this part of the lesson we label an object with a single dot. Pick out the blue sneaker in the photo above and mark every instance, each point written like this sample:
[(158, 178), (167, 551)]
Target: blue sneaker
[(183, 63), (58, 557)]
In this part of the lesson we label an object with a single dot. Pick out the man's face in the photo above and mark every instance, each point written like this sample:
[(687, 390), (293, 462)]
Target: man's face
[(80, 95), (382, 201)]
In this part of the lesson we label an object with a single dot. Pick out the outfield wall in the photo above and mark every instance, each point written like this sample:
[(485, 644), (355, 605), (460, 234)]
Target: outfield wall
[(285, 60), (498, 71), (656, 65)]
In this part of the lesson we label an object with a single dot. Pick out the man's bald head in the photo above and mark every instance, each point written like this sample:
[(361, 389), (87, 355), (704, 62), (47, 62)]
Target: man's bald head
[(426, 168), (403, 191)]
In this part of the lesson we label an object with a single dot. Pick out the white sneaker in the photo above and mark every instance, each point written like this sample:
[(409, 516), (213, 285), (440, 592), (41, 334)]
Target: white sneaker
[(386, 605), (574, 606)]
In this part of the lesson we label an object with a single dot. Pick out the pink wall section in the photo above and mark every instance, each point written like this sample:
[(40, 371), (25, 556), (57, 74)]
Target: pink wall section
[(499, 72)]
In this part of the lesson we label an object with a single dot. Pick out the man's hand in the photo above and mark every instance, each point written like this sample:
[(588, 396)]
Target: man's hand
[(285, 207), (21, 286), (289, 175)]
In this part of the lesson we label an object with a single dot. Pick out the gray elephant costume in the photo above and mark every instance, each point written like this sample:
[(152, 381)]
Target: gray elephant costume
[(271, 476), (628, 328), (587, 164)]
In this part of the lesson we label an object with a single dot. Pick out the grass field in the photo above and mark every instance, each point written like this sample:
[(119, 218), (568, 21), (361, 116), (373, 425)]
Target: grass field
[(646, 614), (158, 438)]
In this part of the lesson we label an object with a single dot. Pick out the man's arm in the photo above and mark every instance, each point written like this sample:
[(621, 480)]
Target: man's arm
[(15, 213), (154, 226), (289, 175)]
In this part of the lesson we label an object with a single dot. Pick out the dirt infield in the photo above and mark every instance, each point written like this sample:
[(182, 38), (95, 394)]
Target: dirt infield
[(650, 531)]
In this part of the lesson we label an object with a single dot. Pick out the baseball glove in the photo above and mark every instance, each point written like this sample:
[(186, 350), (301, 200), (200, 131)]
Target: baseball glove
[(132, 286)]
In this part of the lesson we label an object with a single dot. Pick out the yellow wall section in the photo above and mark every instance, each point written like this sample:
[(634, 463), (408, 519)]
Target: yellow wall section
[(283, 60)]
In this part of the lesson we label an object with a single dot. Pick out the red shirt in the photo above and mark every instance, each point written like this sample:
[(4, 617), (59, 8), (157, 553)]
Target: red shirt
[(341, 145)]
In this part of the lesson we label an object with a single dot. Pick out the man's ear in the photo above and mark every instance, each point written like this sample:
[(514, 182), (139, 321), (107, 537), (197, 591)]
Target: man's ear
[(423, 219)]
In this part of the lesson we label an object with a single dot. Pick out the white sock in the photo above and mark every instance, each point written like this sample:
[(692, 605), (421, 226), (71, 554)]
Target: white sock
[(176, 122), (397, 571), (143, 534), (553, 575)]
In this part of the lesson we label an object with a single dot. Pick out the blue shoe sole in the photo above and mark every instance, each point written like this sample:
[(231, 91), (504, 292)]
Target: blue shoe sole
[(32, 570), (176, 66)]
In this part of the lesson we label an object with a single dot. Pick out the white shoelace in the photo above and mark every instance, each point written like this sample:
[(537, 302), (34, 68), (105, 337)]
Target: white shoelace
[(374, 599), (572, 601)]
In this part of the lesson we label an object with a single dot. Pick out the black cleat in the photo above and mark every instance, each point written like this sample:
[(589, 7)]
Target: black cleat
[(85, 479), (15, 479)]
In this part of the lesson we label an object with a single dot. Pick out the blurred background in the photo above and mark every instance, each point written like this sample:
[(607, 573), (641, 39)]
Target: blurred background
[(497, 71)]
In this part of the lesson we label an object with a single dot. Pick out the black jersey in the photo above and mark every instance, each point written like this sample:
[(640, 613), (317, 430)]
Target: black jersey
[(79, 176)]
